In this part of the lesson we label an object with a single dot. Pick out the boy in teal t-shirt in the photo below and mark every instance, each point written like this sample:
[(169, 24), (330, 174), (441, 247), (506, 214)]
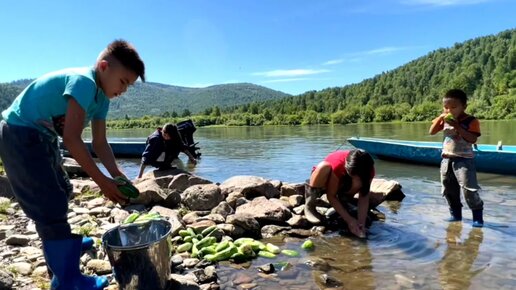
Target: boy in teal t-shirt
[(62, 103)]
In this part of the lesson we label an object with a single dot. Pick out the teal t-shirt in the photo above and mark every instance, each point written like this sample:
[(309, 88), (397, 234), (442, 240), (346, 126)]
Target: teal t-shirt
[(43, 103)]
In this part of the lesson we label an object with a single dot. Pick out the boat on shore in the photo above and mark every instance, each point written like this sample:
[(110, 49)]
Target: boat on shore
[(488, 158)]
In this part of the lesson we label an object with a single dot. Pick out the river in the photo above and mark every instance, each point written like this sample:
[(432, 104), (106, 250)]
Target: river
[(412, 248)]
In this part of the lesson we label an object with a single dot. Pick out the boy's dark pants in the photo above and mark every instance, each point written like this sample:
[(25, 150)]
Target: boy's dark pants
[(32, 162), (457, 174)]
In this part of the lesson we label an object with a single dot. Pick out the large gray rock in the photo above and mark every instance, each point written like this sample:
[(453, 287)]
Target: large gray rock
[(224, 209), (288, 189), (150, 192), (266, 211), (247, 222), (182, 181), (249, 187), (202, 197), (155, 191)]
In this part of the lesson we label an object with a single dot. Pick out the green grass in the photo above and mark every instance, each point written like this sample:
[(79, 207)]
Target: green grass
[(85, 230), (4, 206)]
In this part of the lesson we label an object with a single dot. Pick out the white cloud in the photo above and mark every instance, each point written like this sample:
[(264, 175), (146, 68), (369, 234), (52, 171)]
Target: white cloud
[(359, 56), (334, 61), (286, 80), (442, 2), (290, 73)]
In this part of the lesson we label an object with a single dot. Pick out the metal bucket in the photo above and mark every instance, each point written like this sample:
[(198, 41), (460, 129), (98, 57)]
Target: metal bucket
[(139, 255)]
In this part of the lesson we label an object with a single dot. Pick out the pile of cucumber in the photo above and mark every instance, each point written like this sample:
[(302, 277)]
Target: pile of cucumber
[(204, 245), (138, 218)]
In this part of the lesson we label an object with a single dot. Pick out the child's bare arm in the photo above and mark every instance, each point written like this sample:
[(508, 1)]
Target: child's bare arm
[(331, 192), (72, 139), (437, 124), (102, 149), (465, 134)]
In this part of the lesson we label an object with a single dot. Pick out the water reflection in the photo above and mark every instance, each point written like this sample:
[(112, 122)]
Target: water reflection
[(456, 269), (349, 263)]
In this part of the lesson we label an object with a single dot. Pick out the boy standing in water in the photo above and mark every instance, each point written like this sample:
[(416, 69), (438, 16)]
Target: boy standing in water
[(61, 104), (458, 170)]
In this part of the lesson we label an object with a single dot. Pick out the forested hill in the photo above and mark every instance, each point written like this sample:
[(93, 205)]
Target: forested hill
[(484, 67), (159, 99)]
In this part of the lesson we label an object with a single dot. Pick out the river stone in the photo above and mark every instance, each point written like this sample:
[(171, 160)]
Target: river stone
[(100, 267), (247, 222), (202, 197), (269, 231), (266, 211), (288, 189), (223, 209), (6, 280), (249, 186), (17, 240)]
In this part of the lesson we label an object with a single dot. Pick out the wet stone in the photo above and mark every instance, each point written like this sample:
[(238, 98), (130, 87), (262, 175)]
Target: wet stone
[(267, 268), (17, 240)]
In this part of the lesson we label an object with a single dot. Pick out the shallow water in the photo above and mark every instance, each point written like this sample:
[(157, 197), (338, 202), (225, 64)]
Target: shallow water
[(412, 249)]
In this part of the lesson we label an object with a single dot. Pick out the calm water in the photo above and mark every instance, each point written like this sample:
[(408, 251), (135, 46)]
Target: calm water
[(412, 248)]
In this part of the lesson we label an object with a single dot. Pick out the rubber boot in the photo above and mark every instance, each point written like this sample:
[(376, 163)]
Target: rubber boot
[(62, 258), (311, 214), (87, 244), (478, 219), (455, 215)]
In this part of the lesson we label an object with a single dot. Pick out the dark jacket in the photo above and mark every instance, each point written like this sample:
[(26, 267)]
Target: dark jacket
[(155, 145)]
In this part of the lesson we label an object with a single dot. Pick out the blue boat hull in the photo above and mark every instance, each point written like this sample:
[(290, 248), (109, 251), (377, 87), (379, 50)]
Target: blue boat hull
[(487, 157), (125, 149)]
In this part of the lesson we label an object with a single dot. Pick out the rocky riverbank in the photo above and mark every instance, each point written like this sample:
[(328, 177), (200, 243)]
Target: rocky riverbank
[(242, 206)]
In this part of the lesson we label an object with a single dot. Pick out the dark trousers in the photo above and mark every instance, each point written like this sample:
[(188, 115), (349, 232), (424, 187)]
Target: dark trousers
[(32, 162), (459, 174)]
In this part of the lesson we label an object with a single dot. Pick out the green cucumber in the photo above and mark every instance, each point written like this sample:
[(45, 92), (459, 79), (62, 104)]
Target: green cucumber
[(266, 254), (308, 245), (272, 248), (290, 253), (131, 218), (184, 247)]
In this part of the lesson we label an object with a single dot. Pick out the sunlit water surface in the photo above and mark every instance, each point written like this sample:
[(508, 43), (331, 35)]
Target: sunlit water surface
[(412, 248)]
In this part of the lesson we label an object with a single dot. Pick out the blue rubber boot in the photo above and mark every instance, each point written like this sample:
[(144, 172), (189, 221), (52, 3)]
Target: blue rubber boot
[(455, 214), (478, 219), (62, 258), (87, 244)]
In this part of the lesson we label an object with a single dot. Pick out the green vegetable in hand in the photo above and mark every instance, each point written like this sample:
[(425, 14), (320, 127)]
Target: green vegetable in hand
[(126, 187), (449, 118)]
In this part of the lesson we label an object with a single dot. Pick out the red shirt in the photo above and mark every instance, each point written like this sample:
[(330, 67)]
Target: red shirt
[(337, 161)]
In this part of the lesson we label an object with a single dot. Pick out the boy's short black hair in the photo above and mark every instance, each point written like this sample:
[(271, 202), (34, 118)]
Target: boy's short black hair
[(457, 94), (127, 55)]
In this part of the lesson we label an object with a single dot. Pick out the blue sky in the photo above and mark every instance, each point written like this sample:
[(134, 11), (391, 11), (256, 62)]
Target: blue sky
[(291, 45)]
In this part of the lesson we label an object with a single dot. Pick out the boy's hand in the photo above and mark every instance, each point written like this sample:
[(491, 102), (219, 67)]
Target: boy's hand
[(109, 188), (452, 122)]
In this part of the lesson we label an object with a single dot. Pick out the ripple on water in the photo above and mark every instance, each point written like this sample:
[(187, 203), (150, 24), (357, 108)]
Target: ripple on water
[(394, 245)]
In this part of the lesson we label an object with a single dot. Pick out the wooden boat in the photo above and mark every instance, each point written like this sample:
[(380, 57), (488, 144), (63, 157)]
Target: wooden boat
[(488, 158)]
